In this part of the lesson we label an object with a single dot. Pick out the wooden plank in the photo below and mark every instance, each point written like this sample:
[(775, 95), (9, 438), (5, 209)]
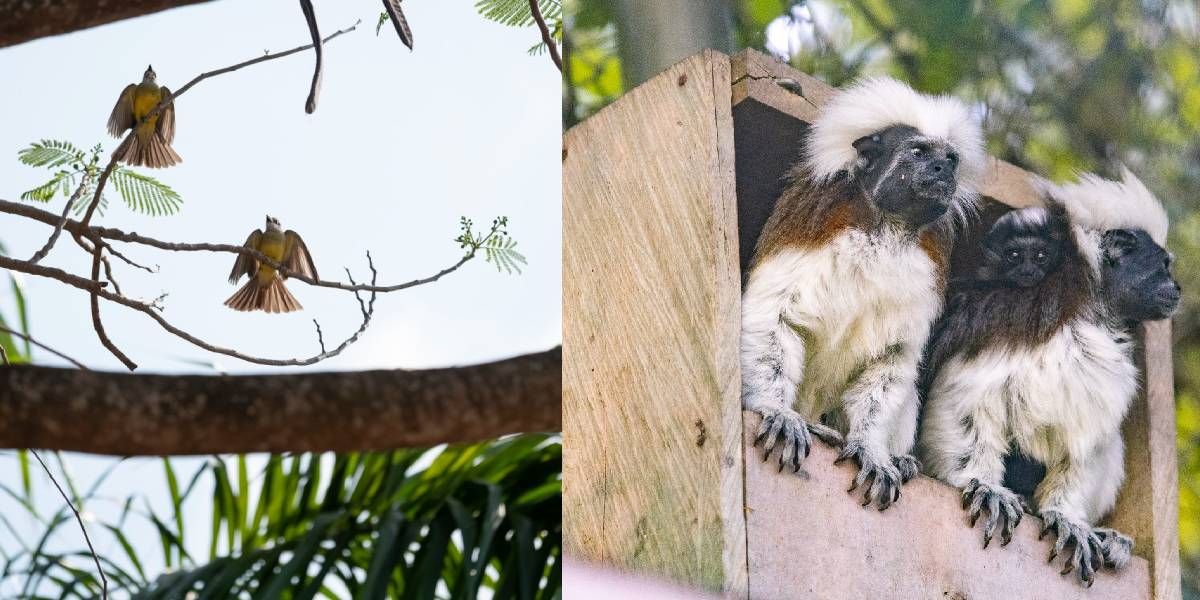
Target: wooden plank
[(652, 469), (1148, 507), (809, 538)]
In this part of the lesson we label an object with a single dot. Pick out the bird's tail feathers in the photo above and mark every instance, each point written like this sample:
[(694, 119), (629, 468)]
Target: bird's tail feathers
[(273, 297), (153, 152)]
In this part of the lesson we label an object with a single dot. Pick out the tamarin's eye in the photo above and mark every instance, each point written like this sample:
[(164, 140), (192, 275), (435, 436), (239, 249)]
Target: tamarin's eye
[(918, 151), (1013, 256), (953, 158), (1040, 258)]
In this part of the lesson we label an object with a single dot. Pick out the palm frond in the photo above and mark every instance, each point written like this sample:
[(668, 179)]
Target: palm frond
[(460, 522), (145, 194)]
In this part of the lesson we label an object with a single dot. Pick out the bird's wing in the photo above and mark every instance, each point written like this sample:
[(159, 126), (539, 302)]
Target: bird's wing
[(296, 257), (122, 114), (246, 264), (397, 17), (166, 119)]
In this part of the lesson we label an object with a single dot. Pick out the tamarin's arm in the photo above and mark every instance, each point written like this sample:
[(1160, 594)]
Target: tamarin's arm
[(772, 351)]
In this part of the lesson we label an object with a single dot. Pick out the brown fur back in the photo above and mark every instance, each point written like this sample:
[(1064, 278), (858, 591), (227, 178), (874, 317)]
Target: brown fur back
[(808, 215), (986, 315)]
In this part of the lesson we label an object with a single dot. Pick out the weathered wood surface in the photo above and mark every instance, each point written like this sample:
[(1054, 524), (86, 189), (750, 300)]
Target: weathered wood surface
[(652, 471), (1148, 506), (809, 538)]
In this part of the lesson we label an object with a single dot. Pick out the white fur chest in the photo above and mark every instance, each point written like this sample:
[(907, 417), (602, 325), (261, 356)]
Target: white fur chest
[(856, 298), (1069, 394)]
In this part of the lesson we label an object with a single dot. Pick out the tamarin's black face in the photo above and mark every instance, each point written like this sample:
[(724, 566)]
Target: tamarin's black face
[(908, 176), (1023, 247), (1136, 274)]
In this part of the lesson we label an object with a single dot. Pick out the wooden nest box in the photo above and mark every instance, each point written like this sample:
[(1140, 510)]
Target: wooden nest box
[(665, 192)]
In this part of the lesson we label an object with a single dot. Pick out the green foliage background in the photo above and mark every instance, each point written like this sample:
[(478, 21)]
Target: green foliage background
[(1067, 84)]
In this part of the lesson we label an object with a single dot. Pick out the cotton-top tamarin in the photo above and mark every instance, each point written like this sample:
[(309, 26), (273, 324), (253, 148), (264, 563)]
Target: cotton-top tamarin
[(848, 276)]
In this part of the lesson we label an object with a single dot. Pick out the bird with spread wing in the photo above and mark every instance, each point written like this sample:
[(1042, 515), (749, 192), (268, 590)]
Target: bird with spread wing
[(265, 290), (150, 145)]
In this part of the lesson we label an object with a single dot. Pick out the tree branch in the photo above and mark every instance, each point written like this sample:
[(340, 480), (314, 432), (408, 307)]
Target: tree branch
[(150, 309), (33, 341), (92, 232), (547, 38), (24, 21), (125, 414), (62, 220), (97, 324), (168, 99)]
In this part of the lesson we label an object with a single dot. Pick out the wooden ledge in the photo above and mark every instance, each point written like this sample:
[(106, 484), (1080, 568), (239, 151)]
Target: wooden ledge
[(808, 538)]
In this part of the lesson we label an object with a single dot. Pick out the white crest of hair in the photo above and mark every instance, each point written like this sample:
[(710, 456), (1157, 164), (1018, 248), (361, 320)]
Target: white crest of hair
[(876, 103), (1103, 204), (1027, 217)]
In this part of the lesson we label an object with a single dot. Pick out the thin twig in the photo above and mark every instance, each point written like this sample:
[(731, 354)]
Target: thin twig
[(129, 261), (33, 341), (170, 98), (4, 355), (546, 37), (97, 324), (79, 519), (320, 338), (92, 232), (151, 309), (58, 227)]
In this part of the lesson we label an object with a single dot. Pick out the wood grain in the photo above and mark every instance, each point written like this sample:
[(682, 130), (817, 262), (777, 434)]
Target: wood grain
[(809, 538), (652, 466)]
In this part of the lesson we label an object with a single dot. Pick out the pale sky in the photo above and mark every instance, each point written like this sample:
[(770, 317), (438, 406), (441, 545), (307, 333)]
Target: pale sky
[(401, 145)]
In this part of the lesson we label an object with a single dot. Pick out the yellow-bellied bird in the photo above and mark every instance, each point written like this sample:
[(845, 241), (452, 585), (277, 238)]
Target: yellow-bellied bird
[(150, 146), (265, 291)]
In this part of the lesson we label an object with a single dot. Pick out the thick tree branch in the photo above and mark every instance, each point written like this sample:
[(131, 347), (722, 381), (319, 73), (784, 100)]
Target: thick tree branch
[(125, 414), (24, 20)]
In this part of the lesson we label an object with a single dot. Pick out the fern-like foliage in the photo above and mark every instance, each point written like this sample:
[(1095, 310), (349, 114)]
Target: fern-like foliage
[(501, 251), (515, 13), (141, 193), (62, 182), (51, 154), (498, 248), (145, 194)]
